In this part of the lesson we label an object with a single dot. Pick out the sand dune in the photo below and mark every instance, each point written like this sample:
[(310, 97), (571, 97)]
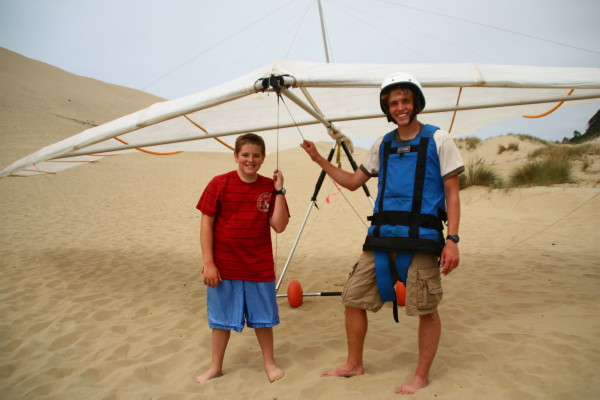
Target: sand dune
[(102, 297)]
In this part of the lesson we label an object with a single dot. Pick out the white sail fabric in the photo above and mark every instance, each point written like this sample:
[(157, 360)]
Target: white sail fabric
[(320, 99)]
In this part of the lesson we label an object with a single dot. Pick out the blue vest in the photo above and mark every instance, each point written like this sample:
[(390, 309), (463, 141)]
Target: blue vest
[(410, 208), (411, 205)]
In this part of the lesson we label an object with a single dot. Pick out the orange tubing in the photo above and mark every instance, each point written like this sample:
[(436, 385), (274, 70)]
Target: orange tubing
[(550, 111), (205, 131), (454, 114), (148, 151)]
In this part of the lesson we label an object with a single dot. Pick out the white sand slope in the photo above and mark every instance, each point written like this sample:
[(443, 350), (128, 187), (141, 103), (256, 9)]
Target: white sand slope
[(101, 295)]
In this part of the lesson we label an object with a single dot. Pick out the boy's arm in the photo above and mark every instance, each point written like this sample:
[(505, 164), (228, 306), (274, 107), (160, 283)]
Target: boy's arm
[(210, 271), (349, 180), (450, 255), (280, 217)]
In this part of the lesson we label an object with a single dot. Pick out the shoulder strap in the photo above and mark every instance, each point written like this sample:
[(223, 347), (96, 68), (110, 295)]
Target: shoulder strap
[(428, 130), (415, 220)]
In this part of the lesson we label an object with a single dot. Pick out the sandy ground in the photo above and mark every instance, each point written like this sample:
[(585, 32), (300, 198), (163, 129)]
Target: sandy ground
[(102, 297)]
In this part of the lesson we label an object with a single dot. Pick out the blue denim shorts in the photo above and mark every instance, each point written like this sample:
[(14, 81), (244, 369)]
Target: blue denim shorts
[(237, 303)]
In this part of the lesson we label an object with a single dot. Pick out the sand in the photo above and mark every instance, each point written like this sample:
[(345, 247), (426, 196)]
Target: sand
[(102, 297)]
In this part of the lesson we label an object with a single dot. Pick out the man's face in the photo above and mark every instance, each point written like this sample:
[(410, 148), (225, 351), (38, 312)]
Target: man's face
[(401, 106)]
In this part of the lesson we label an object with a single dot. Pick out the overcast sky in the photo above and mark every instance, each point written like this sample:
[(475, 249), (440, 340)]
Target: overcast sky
[(177, 47)]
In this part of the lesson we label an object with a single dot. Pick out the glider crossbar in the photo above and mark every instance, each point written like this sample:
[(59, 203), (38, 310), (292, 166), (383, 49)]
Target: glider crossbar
[(589, 96)]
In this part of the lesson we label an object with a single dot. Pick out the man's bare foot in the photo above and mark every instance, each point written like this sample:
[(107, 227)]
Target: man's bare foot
[(210, 374), (345, 370), (274, 372), (412, 386)]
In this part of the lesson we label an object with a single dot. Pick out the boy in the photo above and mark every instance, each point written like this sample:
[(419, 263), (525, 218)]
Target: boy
[(238, 209), (417, 167)]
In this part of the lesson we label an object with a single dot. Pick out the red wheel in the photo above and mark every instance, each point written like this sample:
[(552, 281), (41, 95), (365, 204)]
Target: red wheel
[(294, 293), (400, 293)]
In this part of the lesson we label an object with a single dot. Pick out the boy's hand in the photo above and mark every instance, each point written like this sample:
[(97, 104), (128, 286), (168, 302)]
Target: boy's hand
[(211, 275), (278, 178)]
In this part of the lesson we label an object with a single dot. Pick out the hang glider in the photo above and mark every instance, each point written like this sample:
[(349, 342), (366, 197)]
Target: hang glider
[(319, 101)]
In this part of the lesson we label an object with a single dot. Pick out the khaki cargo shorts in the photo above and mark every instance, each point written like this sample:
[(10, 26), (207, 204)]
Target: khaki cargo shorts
[(423, 289)]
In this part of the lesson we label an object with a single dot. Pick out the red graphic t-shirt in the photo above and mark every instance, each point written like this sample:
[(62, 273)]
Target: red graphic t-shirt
[(241, 234)]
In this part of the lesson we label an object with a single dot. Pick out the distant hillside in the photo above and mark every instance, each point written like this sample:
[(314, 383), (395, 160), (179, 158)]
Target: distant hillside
[(41, 104)]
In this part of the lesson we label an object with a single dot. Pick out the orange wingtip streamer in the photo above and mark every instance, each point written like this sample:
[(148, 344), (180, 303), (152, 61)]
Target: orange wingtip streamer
[(205, 131), (154, 153), (550, 111)]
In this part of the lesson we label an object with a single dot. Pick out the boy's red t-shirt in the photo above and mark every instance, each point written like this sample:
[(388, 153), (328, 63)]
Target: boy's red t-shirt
[(242, 247)]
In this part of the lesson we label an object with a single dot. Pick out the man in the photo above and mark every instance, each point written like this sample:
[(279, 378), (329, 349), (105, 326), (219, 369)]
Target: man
[(417, 168)]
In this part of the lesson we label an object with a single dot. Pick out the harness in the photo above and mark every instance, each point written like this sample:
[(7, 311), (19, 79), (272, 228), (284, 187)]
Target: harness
[(410, 208)]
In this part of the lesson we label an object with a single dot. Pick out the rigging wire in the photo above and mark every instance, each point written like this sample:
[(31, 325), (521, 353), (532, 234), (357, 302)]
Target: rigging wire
[(275, 32), (300, 22), (551, 225), (395, 24), (386, 34), (490, 26), (277, 168), (300, 132), (215, 45), (291, 116), (352, 207)]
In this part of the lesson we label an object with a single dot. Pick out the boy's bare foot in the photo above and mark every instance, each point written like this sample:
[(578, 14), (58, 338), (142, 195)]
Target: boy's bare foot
[(207, 376), (412, 386), (345, 370), (274, 372)]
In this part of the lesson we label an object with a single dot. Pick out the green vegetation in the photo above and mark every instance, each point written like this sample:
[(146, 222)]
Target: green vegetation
[(592, 132), (543, 172), (511, 147), (470, 142), (550, 164), (478, 173), (523, 137), (569, 152)]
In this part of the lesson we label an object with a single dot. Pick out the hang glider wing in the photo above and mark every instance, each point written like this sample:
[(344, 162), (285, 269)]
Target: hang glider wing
[(318, 100)]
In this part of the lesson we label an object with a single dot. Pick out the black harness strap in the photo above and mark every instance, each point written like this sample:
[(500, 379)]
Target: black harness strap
[(418, 189), (395, 280), (387, 147), (404, 218)]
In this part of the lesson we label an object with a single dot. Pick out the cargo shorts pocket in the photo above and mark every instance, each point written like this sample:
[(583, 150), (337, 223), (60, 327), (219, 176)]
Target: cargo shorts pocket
[(429, 288)]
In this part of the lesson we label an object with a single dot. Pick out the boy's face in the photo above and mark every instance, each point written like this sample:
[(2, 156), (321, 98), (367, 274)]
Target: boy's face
[(249, 161), (401, 106)]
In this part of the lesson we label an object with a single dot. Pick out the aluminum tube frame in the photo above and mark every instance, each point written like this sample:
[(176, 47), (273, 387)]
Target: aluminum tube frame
[(109, 149)]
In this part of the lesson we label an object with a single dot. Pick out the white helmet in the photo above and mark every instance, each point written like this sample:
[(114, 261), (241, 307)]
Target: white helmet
[(402, 80)]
